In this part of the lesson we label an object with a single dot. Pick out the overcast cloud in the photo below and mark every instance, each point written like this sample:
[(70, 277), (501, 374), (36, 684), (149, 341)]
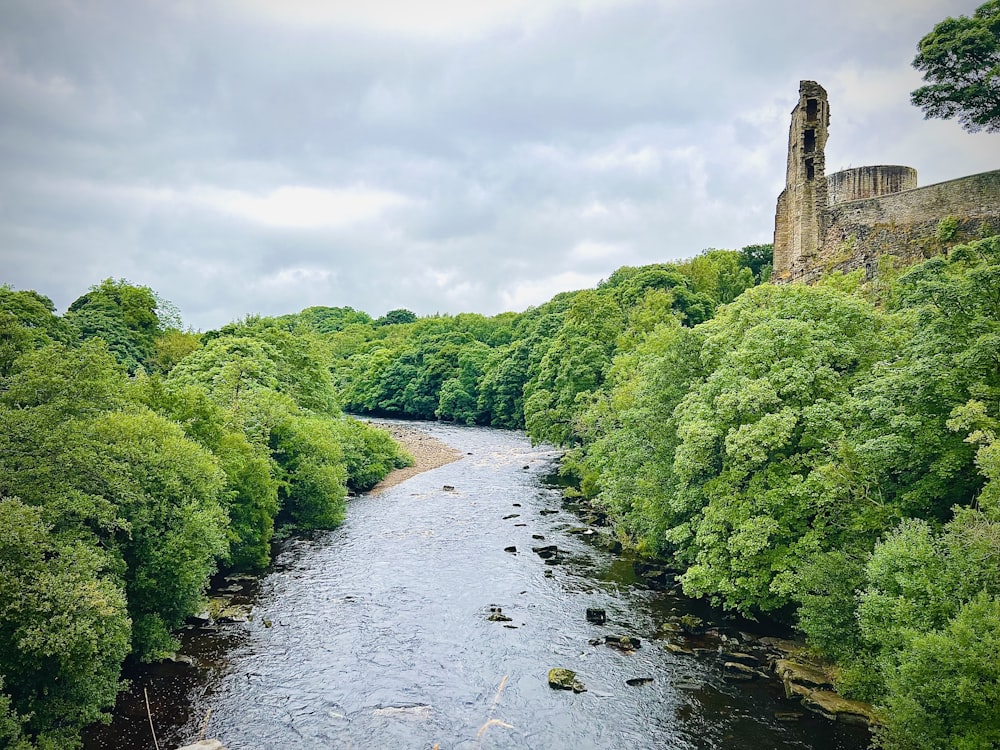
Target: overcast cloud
[(244, 156)]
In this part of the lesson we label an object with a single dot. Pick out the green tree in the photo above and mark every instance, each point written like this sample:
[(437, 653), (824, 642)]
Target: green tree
[(124, 316), (396, 317), (28, 321), (945, 689), (313, 477), (169, 492), (960, 60), (64, 630)]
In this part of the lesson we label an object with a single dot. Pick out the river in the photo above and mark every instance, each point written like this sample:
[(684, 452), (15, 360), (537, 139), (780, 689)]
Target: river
[(376, 635)]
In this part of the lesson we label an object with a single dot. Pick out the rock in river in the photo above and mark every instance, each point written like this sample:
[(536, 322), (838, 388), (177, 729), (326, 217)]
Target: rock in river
[(565, 679)]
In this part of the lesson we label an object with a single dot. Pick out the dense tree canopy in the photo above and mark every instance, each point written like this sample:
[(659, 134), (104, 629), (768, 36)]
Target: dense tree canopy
[(960, 60), (824, 454), (135, 459)]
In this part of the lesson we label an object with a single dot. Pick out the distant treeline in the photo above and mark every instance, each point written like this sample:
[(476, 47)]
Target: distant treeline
[(826, 455)]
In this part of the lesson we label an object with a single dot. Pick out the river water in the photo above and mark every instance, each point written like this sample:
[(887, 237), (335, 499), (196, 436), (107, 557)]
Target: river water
[(376, 635)]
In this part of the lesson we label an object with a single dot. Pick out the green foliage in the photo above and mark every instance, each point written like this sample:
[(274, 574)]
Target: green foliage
[(169, 492), (120, 495), (124, 316), (396, 317), (64, 631), (28, 321), (945, 689), (947, 228), (369, 453), (327, 319), (960, 61), (313, 478), (759, 259)]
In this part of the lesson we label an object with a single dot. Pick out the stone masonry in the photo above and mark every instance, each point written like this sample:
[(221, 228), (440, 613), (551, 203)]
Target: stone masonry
[(856, 217)]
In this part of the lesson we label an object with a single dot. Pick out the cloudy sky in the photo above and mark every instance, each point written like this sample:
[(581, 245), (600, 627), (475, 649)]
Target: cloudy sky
[(444, 156)]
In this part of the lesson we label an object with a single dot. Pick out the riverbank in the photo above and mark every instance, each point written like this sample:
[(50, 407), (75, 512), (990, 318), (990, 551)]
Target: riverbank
[(428, 453)]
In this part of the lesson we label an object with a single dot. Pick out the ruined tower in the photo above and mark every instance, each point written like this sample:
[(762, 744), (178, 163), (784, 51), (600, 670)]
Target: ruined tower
[(852, 219), (798, 220)]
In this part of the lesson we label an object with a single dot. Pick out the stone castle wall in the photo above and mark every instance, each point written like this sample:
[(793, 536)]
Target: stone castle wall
[(853, 218), (869, 182), (904, 225)]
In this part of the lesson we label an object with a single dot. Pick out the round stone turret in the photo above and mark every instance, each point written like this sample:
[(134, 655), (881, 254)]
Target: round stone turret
[(869, 182)]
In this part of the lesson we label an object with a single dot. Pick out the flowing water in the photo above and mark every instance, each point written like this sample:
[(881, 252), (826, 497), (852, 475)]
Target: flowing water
[(376, 635)]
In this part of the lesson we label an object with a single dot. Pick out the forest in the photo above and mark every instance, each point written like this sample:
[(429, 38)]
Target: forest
[(825, 456)]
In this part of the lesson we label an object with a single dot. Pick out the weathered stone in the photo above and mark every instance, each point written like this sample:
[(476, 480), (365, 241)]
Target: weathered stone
[(546, 552), (782, 645), (624, 643), (565, 679), (691, 624), (512, 549), (596, 615), (688, 684), (849, 220), (800, 673), (736, 671), (740, 658), (787, 716), (179, 659), (496, 615), (833, 706), (222, 609)]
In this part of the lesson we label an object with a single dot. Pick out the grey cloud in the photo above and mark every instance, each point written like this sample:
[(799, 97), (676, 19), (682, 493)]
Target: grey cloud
[(523, 157)]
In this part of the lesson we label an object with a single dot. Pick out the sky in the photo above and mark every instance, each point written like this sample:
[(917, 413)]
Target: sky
[(444, 156)]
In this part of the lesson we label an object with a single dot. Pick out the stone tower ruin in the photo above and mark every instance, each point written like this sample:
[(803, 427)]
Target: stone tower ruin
[(797, 224), (851, 218)]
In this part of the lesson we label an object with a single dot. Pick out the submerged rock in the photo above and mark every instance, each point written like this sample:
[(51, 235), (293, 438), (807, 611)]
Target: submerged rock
[(637, 681), (565, 679), (547, 552), (416, 711), (596, 615), (691, 625), (497, 615), (787, 716), (676, 648), (624, 643)]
